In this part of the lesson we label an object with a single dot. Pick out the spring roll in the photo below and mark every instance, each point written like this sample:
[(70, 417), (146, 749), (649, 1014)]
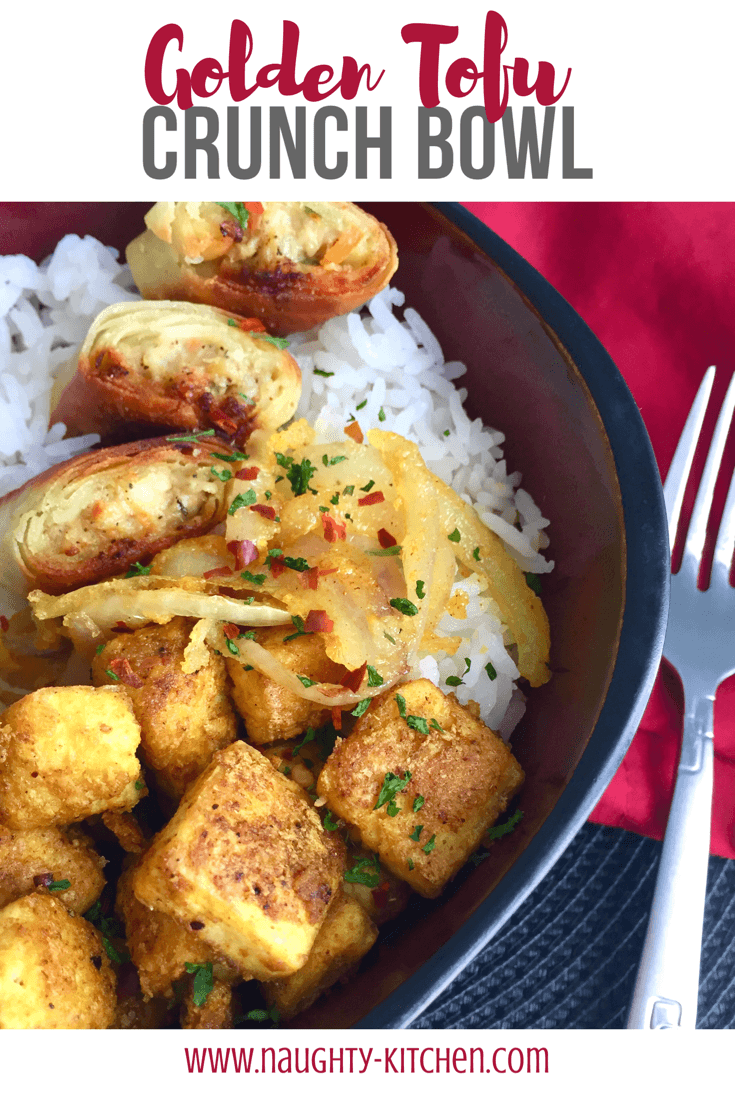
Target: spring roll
[(98, 514), (178, 365), (293, 265)]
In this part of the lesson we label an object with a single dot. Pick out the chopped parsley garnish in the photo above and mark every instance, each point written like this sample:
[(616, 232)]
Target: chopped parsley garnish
[(299, 565), (248, 498), (416, 834), (386, 551), (299, 475), (491, 672), (203, 981), (139, 786), (298, 623), (273, 1015), (108, 928), (534, 583), (113, 676), (411, 865), (348, 490), (232, 647), (374, 678), (58, 885), (435, 725), (401, 703), (402, 604), (305, 681), (362, 404), (420, 589), (389, 638), (330, 823), (190, 438), (100, 647), (323, 508), (478, 858), (430, 844), (453, 680), (454, 536), (418, 803), (223, 475), (418, 723), (381, 414), (361, 708), (284, 461), (279, 342), (501, 829), (231, 321), (334, 499), (366, 871), (366, 489), (241, 214), (476, 554), (233, 457), (446, 432), (334, 459), (136, 570), (254, 579), (324, 374), (392, 785)]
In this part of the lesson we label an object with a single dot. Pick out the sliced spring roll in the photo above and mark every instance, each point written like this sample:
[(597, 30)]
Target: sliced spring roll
[(178, 365), (98, 514), (294, 265)]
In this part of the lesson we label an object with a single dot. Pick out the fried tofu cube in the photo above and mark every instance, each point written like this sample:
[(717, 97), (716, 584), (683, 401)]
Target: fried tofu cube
[(418, 748), (31, 858), (67, 753), (271, 711), (54, 972), (216, 1012), (160, 947), (184, 717), (245, 857), (345, 937)]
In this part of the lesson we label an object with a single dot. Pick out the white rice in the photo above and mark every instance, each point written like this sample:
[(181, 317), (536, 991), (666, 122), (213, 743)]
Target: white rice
[(395, 367)]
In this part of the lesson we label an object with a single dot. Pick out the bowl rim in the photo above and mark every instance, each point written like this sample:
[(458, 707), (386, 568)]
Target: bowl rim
[(642, 631)]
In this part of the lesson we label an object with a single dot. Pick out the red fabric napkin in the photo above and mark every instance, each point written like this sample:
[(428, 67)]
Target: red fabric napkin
[(654, 282)]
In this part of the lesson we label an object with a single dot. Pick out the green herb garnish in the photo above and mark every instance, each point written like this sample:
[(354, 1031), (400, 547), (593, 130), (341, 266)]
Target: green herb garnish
[(420, 589), (491, 671), (476, 554), (203, 981), (401, 703), (534, 583), (501, 829), (430, 844), (386, 551), (137, 570), (418, 724), (305, 681), (241, 214), (279, 342), (112, 676), (324, 374), (58, 885), (366, 871), (402, 604), (299, 475), (254, 579), (361, 708), (418, 803), (223, 476), (248, 498), (392, 785), (190, 438), (368, 488), (330, 823), (454, 536), (416, 834), (381, 414), (374, 678)]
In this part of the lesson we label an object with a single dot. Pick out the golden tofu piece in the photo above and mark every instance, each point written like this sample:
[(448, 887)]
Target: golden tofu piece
[(29, 859), (246, 856), (458, 773), (160, 947), (127, 830), (345, 937), (270, 711), (216, 1012), (54, 972), (184, 717), (67, 753)]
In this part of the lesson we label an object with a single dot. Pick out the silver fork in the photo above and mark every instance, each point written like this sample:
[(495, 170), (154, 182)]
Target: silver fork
[(700, 644)]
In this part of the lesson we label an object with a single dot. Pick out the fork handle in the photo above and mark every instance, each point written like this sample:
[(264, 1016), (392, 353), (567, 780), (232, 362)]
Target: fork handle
[(667, 985)]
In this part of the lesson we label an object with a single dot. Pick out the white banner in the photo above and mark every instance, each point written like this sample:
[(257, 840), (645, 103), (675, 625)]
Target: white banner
[(528, 100)]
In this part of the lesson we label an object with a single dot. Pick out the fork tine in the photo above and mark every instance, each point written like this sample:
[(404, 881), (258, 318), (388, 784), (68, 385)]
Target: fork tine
[(676, 479), (698, 525), (725, 540)]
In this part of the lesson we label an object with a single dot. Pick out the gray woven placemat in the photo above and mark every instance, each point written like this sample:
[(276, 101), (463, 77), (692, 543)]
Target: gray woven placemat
[(568, 957)]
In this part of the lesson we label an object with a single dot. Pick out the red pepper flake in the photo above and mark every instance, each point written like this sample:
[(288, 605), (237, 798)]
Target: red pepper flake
[(385, 539), (244, 552), (332, 570), (218, 572), (352, 680), (309, 579), (248, 474), (4, 624), (380, 895), (372, 499), (337, 719), (317, 620), (353, 430), (122, 668), (277, 565), (232, 631), (222, 421), (266, 511), (333, 530), (122, 628)]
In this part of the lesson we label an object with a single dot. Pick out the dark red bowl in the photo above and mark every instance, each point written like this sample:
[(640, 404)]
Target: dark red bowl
[(536, 372)]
